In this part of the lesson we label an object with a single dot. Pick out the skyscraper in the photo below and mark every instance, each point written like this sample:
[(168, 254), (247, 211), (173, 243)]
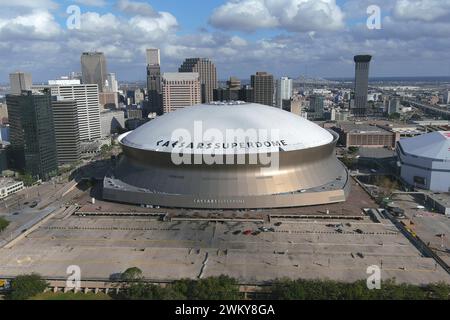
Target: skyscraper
[(67, 133), (154, 85), (316, 105), (20, 81), (32, 134), (88, 107), (93, 68), (208, 75), (284, 91), (180, 90), (361, 84), (263, 87)]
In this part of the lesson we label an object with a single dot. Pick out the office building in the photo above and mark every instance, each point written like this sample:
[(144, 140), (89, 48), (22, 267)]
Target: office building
[(232, 92), (180, 90), (207, 75), (263, 88), (362, 66), (284, 91), (93, 69), (20, 81), (154, 103), (32, 134), (316, 106), (364, 135), (111, 83), (9, 186), (67, 133), (447, 97), (307, 173), (394, 105), (88, 106)]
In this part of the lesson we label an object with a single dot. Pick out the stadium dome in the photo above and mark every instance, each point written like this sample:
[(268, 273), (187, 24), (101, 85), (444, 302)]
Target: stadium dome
[(228, 156), (425, 160)]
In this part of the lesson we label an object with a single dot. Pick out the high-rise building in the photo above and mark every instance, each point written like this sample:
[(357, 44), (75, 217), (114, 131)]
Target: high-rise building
[(316, 105), (20, 81), (362, 64), (88, 107), (180, 90), (284, 91), (394, 105), (154, 101), (207, 73), (32, 134), (93, 69), (232, 92), (111, 84), (67, 133), (263, 87), (447, 97)]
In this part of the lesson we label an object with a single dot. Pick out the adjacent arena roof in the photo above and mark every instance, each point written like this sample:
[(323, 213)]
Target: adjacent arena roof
[(434, 145)]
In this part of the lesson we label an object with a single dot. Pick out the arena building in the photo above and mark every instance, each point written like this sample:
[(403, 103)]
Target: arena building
[(230, 155), (425, 161)]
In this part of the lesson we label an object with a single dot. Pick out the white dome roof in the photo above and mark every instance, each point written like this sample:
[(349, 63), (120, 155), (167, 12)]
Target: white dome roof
[(434, 145), (227, 128)]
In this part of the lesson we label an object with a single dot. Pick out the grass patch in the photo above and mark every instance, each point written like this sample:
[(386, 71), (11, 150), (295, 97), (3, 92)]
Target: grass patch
[(3, 224)]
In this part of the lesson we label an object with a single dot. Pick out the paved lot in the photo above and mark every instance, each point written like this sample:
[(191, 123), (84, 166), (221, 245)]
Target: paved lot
[(172, 250), (427, 225)]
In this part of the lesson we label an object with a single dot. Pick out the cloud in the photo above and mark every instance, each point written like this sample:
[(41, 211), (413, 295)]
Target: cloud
[(422, 10), (290, 15), (136, 8), (39, 24), (92, 3)]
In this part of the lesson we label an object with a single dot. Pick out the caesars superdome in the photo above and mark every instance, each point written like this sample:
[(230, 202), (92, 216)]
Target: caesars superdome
[(228, 156)]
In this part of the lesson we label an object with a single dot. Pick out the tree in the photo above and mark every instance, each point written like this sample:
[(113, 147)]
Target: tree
[(3, 224), (27, 179), (133, 274), (26, 286), (214, 288)]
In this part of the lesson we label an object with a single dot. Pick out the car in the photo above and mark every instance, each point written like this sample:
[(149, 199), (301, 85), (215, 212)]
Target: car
[(264, 229), (247, 232), (15, 213), (359, 231), (271, 229), (34, 204), (237, 232), (278, 224), (255, 233)]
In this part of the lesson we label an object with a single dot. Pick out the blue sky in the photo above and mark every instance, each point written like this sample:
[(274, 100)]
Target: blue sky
[(284, 37)]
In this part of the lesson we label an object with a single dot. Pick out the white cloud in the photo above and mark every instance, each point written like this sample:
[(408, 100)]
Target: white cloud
[(136, 8), (92, 3), (291, 15), (33, 4), (422, 10), (35, 25)]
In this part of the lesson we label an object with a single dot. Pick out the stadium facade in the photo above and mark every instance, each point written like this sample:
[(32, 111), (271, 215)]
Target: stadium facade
[(228, 156), (425, 161)]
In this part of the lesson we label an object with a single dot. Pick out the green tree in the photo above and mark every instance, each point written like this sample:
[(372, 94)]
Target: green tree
[(214, 288), (27, 179), (3, 224), (439, 291), (26, 286), (133, 274)]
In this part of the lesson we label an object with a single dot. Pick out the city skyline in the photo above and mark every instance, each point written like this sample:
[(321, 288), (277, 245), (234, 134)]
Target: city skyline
[(276, 38)]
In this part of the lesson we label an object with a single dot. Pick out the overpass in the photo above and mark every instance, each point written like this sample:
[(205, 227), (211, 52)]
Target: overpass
[(427, 108)]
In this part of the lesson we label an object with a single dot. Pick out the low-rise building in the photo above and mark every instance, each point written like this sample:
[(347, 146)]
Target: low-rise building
[(9, 186), (365, 135)]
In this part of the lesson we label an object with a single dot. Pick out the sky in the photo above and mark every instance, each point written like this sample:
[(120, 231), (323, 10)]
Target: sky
[(317, 38)]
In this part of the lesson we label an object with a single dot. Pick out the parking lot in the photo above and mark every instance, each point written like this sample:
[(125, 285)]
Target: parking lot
[(428, 225), (104, 246)]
